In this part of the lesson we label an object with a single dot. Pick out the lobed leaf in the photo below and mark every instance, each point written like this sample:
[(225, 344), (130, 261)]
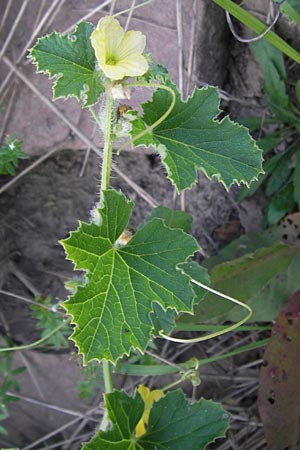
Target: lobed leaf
[(112, 312), (192, 138), (174, 423), (70, 59)]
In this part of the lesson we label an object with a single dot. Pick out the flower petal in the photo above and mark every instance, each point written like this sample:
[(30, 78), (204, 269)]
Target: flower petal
[(106, 39), (99, 45), (133, 66), (132, 42), (113, 33), (114, 72)]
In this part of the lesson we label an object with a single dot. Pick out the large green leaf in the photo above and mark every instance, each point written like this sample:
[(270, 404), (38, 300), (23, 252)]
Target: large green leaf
[(70, 59), (112, 311), (263, 279), (191, 138), (173, 218), (174, 423)]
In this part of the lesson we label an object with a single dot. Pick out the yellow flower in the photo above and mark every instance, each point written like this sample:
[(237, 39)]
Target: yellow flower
[(149, 397), (119, 54)]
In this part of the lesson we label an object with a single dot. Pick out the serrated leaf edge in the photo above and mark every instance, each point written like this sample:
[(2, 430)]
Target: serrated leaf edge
[(132, 348), (57, 76), (162, 150)]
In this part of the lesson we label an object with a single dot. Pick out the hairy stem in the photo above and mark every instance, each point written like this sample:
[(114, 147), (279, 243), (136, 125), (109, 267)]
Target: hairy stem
[(105, 177), (108, 145), (160, 120)]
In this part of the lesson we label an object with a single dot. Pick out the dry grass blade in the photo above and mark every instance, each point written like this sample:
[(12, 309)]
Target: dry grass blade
[(8, 110), (5, 14), (13, 28), (29, 169), (88, 16)]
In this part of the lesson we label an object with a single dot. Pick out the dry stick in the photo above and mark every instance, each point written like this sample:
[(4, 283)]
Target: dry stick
[(124, 11), (56, 11), (161, 359), (23, 279), (32, 376), (7, 8), (39, 13), (180, 43), (29, 168), (13, 28), (65, 444), (87, 16), (8, 110), (112, 7), (228, 444), (180, 68), (130, 14), (52, 433), (140, 191), (48, 405), (191, 58), (42, 22), (24, 299), (36, 31), (75, 434)]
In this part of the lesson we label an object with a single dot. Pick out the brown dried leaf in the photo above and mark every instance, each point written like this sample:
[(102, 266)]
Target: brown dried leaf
[(279, 391)]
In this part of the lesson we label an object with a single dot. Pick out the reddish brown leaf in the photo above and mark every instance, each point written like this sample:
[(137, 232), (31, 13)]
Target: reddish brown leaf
[(279, 383)]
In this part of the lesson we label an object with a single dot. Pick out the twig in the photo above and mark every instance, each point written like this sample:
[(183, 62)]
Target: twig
[(191, 58), (29, 168), (41, 23), (24, 299), (13, 28), (147, 2), (24, 280), (165, 361), (32, 376), (87, 16), (130, 14), (52, 433), (65, 444), (8, 110), (47, 405), (180, 44), (5, 14)]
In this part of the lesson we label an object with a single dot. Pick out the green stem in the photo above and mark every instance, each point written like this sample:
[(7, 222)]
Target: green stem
[(160, 120), (108, 384), (258, 27), (35, 343), (105, 177), (153, 370), (108, 146)]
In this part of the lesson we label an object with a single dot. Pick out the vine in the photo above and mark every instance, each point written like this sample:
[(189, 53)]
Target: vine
[(134, 288)]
